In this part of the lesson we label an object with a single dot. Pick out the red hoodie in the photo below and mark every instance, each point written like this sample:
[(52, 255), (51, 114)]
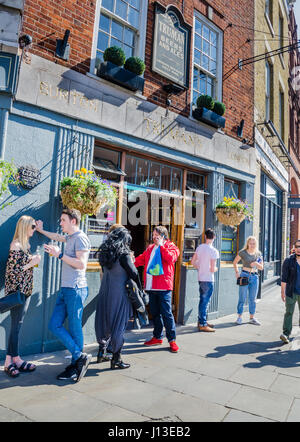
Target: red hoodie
[(169, 254)]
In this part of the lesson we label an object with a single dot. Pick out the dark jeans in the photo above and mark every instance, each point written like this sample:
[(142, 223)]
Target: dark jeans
[(160, 303), (17, 317), (206, 289), (69, 304), (290, 303)]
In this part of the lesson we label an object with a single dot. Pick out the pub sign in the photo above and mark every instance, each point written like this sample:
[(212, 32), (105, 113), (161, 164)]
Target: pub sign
[(171, 45)]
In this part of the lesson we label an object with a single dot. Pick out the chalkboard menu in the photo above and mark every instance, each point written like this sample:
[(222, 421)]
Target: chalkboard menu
[(171, 45)]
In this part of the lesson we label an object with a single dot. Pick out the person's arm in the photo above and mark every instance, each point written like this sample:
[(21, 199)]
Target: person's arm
[(235, 263), (140, 260), (50, 235), (129, 267), (212, 267), (194, 260), (284, 278), (283, 287), (34, 260)]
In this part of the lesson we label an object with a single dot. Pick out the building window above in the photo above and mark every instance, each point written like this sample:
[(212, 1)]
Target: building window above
[(119, 23), (268, 92), (207, 59)]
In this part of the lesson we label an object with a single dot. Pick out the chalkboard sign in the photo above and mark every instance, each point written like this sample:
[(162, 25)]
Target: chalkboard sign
[(171, 45)]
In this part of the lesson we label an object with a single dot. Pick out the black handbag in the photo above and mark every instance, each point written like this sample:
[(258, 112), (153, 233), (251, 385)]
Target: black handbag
[(137, 296), (12, 300), (242, 280)]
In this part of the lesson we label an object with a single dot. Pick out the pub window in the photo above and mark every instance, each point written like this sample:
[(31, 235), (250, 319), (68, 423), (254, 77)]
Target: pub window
[(119, 23), (207, 59), (107, 164)]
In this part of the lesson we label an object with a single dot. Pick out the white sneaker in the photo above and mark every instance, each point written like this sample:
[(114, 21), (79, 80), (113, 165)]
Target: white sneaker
[(284, 338), (239, 320), (254, 321)]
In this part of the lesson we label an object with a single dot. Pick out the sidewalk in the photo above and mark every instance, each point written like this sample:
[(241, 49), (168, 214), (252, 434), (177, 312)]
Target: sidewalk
[(238, 373)]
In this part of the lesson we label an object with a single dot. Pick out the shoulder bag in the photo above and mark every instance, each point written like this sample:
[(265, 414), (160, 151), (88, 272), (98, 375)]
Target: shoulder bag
[(12, 300)]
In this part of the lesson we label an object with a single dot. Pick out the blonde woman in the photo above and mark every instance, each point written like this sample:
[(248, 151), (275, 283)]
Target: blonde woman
[(252, 261), (19, 276)]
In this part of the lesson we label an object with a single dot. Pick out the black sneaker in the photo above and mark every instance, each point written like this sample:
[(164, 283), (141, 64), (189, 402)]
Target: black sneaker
[(82, 365), (69, 373)]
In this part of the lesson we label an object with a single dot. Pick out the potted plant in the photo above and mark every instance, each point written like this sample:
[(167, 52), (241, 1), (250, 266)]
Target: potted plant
[(209, 111), (8, 175), (232, 211), (87, 192), (128, 76)]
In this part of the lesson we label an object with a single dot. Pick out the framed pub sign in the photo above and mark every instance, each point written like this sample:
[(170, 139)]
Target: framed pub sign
[(171, 45)]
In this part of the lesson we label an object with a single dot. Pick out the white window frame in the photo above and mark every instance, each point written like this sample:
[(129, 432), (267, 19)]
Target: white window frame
[(141, 32), (219, 58)]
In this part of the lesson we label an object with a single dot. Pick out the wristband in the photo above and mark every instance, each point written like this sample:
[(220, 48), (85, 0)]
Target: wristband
[(60, 256)]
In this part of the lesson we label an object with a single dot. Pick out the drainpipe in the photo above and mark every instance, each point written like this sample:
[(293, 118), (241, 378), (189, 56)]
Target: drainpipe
[(3, 124)]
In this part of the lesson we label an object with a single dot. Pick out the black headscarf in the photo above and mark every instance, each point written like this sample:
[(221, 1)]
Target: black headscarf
[(116, 244)]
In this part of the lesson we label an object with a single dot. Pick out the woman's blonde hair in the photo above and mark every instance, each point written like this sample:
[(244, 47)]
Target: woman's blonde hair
[(21, 232), (247, 243)]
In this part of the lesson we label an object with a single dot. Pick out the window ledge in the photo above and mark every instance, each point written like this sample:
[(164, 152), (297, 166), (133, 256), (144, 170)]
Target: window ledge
[(115, 86)]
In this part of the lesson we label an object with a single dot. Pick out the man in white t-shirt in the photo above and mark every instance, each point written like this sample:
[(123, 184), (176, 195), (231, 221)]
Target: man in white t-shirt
[(204, 260)]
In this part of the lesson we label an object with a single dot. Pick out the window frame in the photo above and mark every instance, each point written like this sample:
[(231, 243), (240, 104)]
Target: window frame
[(139, 50), (219, 58), (268, 90)]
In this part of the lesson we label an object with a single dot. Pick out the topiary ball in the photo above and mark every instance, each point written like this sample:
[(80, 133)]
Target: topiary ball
[(205, 101), (135, 65), (115, 55), (219, 108)]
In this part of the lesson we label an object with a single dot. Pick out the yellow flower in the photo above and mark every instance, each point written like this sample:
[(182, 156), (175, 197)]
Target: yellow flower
[(76, 172), (90, 171), (83, 170)]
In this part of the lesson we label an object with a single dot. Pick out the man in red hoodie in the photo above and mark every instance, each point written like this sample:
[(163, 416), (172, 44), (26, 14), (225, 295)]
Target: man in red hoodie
[(158, 282)]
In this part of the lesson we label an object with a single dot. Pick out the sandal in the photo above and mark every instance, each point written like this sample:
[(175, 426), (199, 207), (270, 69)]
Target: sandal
[(25, 367), (10, 371)]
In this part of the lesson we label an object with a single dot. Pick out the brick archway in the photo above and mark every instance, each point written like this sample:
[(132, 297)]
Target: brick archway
[(294, 225)]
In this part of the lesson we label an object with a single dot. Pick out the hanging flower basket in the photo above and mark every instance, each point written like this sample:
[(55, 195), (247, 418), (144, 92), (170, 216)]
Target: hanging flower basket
[(87, 192), (232, 211), (230, 217)]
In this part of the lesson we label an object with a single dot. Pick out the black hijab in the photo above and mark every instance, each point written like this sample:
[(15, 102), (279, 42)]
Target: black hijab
[(116, 244)]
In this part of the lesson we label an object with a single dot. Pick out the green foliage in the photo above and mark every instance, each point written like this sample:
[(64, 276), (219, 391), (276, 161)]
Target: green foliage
[(238, 205), (205, 101), (219, 108), (135, 65), (8, 175), (115, 55)]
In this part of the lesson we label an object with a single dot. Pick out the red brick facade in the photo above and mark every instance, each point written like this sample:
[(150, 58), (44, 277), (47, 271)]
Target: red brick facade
[(47, 20)]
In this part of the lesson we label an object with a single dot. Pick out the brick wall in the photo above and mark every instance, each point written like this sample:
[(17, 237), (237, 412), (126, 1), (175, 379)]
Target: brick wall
[(47, 20)]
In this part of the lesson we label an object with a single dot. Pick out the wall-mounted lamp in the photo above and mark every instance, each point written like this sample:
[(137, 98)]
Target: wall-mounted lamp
[(172, 89), (240, 129), (62, 47), (25, 40)]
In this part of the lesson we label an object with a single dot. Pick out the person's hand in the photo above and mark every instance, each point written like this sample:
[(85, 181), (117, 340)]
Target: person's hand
[(283, 297), (52, 250), (237, 274), (35, 260), (132, 257), (253, 264), (39, 225)]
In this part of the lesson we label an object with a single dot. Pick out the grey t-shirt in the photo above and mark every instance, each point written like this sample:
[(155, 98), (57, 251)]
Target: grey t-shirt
[(247, 259), (71, 277)]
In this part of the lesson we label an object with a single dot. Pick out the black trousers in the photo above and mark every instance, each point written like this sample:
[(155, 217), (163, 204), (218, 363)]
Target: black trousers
[(17, 317)]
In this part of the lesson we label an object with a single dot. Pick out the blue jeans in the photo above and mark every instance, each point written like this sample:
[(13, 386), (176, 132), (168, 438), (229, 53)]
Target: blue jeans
[(160, 303), (206, 289), (251, 290), (69, 304)]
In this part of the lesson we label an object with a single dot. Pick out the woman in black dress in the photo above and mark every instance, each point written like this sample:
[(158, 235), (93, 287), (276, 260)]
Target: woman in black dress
[(114, 307)]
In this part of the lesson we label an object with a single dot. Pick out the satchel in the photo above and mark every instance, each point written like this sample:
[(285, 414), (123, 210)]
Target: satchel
[(242, 280), (14, 299), (136, 295)]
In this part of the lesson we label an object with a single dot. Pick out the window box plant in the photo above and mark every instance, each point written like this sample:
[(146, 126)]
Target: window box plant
[(86, 192), (209, 111), (128, 76), (232, 211)]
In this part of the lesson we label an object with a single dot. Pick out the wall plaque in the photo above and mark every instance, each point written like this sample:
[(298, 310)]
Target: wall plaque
[(171, 45)]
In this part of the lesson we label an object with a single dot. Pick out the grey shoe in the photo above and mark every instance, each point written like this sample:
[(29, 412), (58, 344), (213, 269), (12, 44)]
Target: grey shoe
[(254, 321), (284, 338)]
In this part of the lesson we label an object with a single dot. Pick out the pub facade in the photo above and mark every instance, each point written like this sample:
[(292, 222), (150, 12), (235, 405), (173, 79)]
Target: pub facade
[(148, 141)]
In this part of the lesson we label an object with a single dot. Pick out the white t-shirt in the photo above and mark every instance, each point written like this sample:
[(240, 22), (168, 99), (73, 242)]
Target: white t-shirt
[(205, 252)]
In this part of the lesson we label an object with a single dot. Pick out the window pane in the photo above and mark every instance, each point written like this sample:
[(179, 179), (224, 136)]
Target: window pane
[(116, 30), (197, 57), (142, 172), (128, 37), (130, 169), (213, 52), (102, 41), (213, 38), (176, 180), (121, 9), (165, 178), (198, 42), (205, 62), (104, 23), (115, 42), (213, 67), (135, 3), (195, 96), (108, 4), (99, 59), (133, 17), (205, 32), (206, 47), (154, 175), (198, 27), (128, 51)]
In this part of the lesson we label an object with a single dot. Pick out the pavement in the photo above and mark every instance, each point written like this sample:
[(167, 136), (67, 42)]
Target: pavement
[(237, 374)]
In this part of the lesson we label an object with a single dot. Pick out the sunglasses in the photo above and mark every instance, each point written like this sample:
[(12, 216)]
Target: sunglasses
[(33, 226)]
